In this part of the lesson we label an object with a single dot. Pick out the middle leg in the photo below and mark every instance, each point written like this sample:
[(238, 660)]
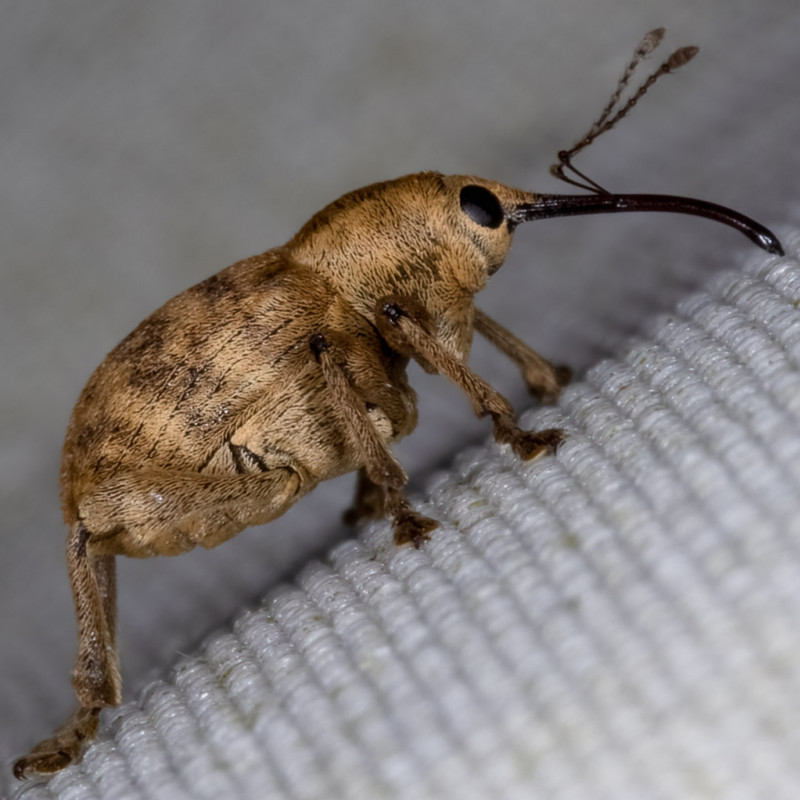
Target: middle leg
[(381, 477)]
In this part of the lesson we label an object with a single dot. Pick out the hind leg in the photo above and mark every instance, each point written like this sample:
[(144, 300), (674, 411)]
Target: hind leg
[(96, 676), (142, 514)]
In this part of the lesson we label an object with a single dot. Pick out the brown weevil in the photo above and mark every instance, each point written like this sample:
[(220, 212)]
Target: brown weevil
[(238, 396)]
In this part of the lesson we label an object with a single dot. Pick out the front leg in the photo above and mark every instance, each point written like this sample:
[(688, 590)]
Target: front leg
[(543, 379), (408, 328), (381, 476)]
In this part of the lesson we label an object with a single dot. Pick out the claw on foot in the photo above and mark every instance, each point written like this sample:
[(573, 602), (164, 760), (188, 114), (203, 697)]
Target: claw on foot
[(62, 748), (562, 375), (530, 444), (411, 527), (527, 444)]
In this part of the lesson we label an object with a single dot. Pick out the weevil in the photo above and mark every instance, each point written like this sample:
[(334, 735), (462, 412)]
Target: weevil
[(241, 394)]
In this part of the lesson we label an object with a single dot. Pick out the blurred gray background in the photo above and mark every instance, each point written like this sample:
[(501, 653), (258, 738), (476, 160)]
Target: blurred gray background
[(144, 146)]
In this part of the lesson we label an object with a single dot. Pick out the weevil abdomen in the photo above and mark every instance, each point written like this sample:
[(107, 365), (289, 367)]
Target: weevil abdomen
[(234, 391)]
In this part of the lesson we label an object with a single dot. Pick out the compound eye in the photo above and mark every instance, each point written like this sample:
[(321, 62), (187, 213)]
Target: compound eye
[(481, 206)]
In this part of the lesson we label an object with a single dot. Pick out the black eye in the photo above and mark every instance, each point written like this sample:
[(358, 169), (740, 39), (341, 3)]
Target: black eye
[(481, 206)]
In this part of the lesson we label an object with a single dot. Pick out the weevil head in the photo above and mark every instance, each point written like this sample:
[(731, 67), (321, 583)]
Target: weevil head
[(436, 238), (483, 214)]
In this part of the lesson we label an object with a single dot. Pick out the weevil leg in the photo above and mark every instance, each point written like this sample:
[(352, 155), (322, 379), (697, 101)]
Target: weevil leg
[(410, 527), (369, 501), (96, 675), (62, 748), (543, 379), (372, 501), (157, 512), (406, 326), (382, 472)]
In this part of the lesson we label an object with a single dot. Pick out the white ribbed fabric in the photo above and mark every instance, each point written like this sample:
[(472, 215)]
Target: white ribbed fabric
[(618, 621)]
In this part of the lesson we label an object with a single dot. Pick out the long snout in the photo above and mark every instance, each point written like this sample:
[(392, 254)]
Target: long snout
[(555, 205)]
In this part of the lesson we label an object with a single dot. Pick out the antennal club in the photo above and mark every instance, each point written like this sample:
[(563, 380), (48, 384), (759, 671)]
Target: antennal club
[(605, 122)]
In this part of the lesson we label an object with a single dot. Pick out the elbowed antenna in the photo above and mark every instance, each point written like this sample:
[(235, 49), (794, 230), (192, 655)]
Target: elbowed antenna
[(564, 205), (601, 201)]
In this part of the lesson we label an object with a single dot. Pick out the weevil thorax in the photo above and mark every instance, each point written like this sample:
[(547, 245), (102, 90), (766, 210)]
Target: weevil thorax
[(432, 237)]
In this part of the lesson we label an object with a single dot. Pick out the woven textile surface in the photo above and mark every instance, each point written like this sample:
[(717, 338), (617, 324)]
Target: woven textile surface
[(616, 621)]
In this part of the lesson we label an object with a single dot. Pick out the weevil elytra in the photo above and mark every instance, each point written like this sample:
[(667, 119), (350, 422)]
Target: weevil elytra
[(238, 396)]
